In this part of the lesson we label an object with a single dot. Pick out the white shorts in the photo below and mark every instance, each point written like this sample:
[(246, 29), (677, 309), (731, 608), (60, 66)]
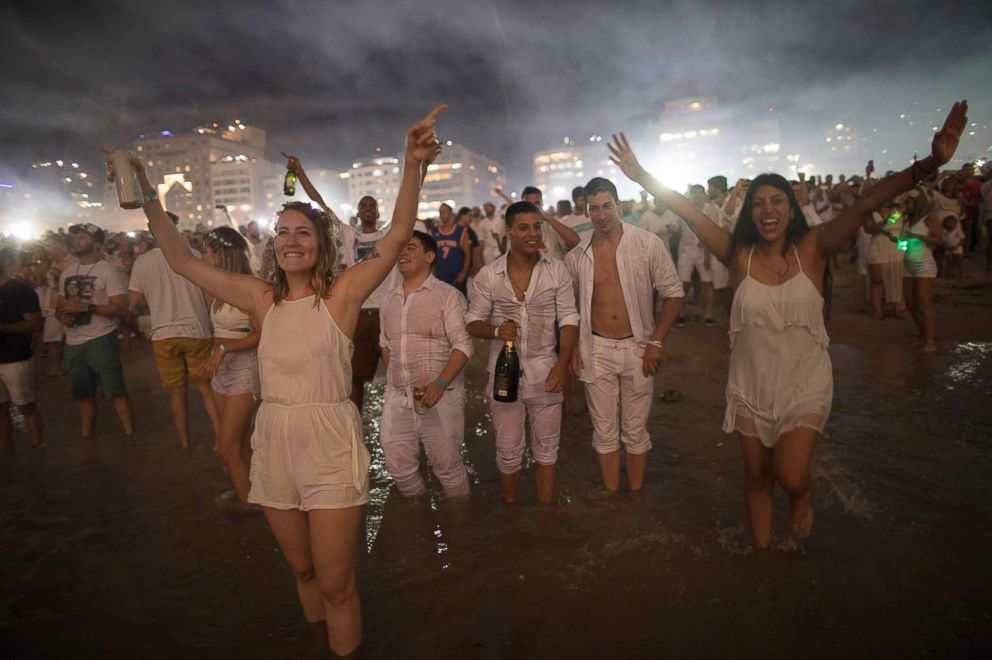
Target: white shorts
[(923, 266), (689, 261), (17, 382)]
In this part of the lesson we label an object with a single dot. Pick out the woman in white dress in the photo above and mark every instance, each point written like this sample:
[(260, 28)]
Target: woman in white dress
[(780, 386), (309, 466)]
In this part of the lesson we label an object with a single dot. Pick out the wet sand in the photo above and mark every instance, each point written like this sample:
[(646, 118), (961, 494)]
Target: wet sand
[(113, 549)]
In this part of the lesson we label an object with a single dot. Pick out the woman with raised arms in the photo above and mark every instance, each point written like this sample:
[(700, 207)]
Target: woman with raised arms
[(309, 467), (780, 385)]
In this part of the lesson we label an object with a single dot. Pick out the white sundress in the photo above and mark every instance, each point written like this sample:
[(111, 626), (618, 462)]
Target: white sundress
[(780, 372)]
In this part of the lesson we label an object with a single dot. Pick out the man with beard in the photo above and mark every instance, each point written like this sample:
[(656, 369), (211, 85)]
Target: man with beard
[(91, 294)]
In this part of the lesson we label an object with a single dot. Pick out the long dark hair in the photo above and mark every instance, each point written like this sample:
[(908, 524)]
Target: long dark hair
[(745, 231), (327, 255)]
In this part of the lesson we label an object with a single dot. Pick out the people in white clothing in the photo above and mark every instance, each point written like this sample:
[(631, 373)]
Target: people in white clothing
[(424, 347), (521, 297), (616, 272)]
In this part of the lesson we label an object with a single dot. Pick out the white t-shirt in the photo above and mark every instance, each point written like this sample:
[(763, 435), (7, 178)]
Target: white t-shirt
[(664, 225), (176, 304), (484, 229), (812, 217), (580, 224), (363, 245), (91, 284)]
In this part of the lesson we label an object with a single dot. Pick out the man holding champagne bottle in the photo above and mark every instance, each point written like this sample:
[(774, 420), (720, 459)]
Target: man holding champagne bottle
[(516, 301)]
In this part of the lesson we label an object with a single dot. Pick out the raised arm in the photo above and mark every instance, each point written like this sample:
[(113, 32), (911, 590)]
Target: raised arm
[(830, 236), (294, 165), (238, 290), (567, 234), (422, 147), (716, 240)]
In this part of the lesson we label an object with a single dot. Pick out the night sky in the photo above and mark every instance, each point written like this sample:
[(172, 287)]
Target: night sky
[(331, 80)]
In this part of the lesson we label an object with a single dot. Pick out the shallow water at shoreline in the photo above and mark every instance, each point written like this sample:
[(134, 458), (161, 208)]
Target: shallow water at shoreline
[(112, 549)]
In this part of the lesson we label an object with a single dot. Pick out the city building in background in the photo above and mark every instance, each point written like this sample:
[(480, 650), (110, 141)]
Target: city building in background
[(558, 171)]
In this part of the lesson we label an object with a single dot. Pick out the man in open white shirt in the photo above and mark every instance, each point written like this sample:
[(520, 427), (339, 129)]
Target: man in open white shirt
[(518, 298), (424, 345), (616, 272)]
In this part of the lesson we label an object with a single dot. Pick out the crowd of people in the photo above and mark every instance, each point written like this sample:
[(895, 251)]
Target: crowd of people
[(280, 333)]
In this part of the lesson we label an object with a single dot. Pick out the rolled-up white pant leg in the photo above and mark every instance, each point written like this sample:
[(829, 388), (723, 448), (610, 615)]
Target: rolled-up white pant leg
[(544, 410), (442, 431), (508, 426), (636, 394), (400, 445), (603, 394)]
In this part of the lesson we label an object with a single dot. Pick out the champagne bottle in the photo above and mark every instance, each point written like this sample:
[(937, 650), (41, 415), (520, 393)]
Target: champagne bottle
[(507, 375), (289, 184)]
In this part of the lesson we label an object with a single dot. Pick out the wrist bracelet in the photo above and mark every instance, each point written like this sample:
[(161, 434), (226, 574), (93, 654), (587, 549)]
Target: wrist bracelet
[(443, 382), (496, 332), (916, 165), (655, 342), (223, 349), (151, 196)]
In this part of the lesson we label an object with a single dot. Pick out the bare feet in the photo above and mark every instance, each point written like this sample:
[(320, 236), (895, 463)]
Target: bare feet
[(928, 348)]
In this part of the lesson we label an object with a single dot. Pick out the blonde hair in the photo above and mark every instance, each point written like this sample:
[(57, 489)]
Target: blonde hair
[(322, 277)]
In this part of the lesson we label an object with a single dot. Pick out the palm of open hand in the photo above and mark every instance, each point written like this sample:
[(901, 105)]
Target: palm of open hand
[(945, 142)]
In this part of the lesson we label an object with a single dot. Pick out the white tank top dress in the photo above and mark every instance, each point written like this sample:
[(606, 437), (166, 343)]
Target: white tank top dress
[(780, 372), (307, 444)]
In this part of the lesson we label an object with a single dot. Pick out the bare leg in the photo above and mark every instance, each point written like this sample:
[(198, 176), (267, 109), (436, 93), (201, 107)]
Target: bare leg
[(508, 486), (180, 413), (912, 304), (6, 425), (609, 466), (292, 531), (790, 461), (122, 406), (758, 481), (235, 421), (877, 290), (206, 393), (708, 299), (636, 466), (32, 419), (334, 546), (87, 416), (54, 351), (545, 477), (924, 301)]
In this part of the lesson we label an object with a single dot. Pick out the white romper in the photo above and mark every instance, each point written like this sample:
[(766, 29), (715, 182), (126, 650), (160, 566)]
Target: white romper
[(780, 372), (307, 444)]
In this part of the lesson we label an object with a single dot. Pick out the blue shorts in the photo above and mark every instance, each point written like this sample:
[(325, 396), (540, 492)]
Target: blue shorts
[(95, 363)]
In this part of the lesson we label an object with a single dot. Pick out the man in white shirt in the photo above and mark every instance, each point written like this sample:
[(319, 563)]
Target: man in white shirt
[(616, 271), (519, 298), (91, 294), (490, 231), (578, 221), (181, 335), (424, 347), (693, 256)]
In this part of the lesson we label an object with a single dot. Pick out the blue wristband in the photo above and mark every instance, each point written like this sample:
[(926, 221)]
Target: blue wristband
[(443, 382)]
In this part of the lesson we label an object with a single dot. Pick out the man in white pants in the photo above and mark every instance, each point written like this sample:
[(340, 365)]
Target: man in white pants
[(424, 345), (616, 271), (518, 298), (694, 256)]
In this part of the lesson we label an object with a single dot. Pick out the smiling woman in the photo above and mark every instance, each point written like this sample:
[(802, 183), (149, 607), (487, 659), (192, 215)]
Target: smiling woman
[(780, 386), (309, 469)]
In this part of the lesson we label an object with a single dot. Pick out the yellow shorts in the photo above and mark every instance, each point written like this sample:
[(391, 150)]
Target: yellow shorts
[(179, 358)]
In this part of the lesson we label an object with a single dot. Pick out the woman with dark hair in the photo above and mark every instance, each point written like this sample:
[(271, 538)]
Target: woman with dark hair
[(233, 364), (922, 232), (781, 384), (309, 468)]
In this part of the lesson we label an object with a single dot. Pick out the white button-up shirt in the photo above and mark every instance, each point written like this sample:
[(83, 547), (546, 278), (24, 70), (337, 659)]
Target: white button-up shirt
[(644, 265), (550, 297), (421, 331)]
